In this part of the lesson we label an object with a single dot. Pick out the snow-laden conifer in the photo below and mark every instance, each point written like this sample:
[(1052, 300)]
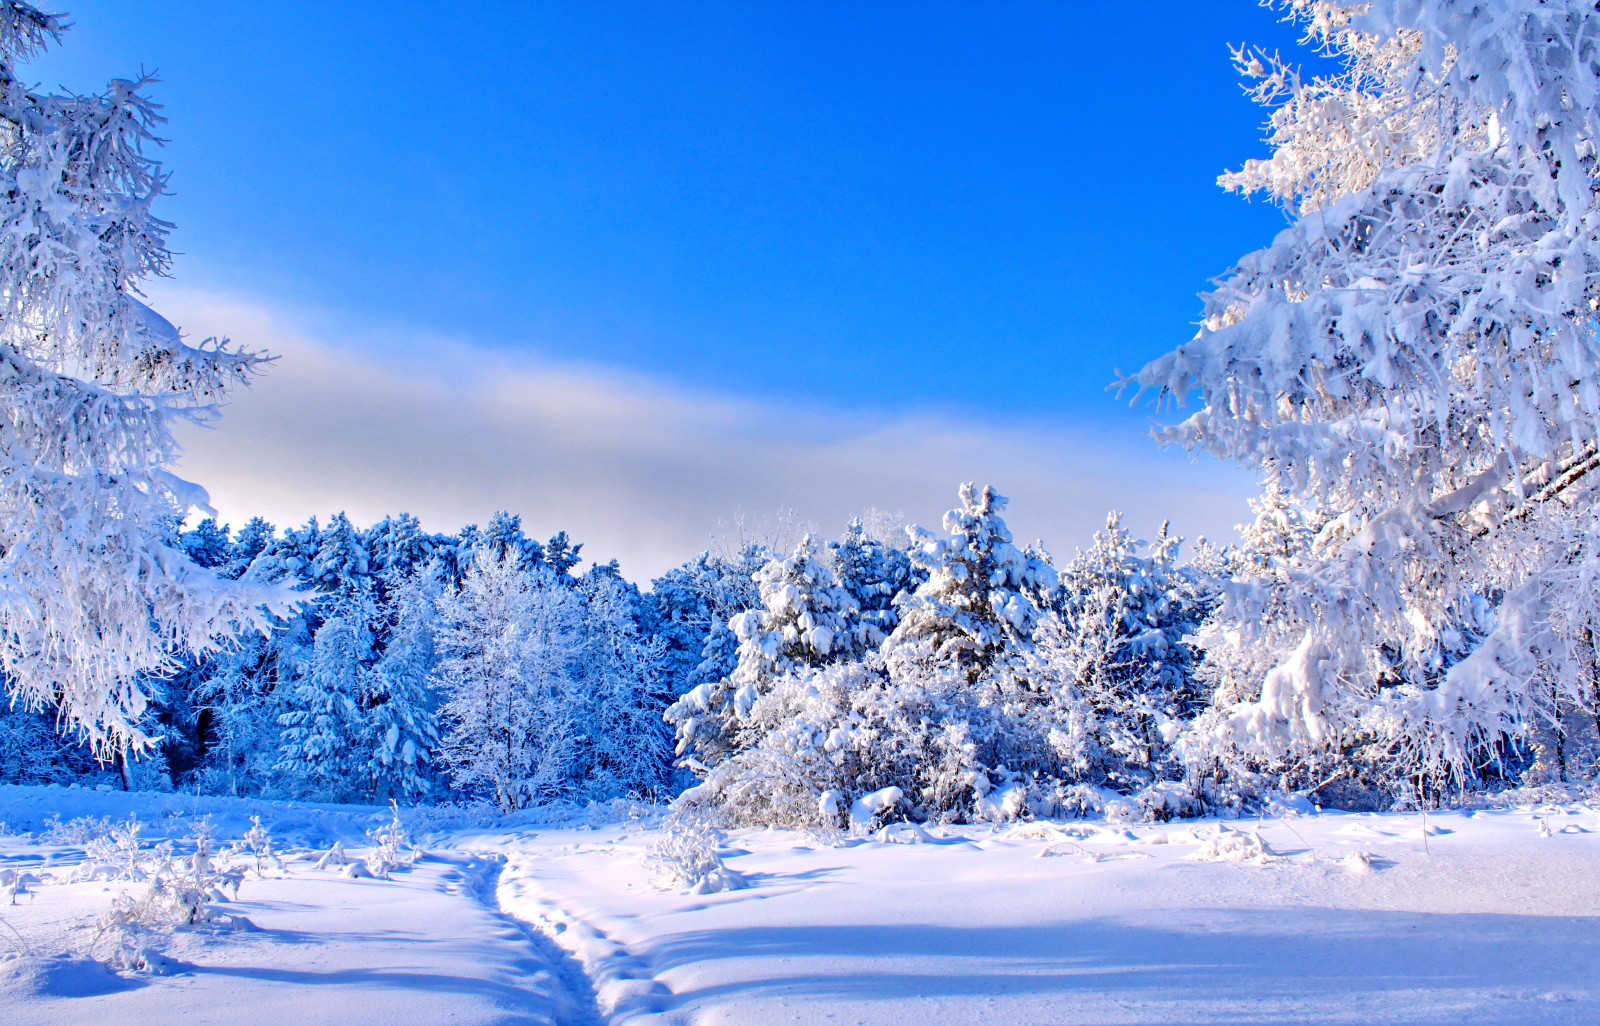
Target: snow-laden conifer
[(805, 620), (627, 745), (1114, 668), (94, 600), (973, 611), (1415, 355), (874, 574), (401, 726)]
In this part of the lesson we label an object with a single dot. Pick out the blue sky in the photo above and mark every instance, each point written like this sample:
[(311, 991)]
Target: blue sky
[(888, 213)]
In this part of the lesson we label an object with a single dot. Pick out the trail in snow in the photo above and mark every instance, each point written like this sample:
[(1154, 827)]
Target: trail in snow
[(1320, 920)]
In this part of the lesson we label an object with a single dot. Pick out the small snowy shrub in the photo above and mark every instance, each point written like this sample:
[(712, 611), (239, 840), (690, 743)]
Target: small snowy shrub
[(176, 894), (119, 855), (393, 850), (81, 830), (256, 845), (684, 857)]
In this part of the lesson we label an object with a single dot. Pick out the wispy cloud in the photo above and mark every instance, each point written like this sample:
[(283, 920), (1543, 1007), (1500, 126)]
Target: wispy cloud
[(637, 469)]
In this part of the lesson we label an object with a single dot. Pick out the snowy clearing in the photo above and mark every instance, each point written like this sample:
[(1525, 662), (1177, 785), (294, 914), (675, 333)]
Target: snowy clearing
[(1319, 918)]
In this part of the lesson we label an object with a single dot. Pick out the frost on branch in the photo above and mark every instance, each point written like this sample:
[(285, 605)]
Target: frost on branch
[(93, 601)]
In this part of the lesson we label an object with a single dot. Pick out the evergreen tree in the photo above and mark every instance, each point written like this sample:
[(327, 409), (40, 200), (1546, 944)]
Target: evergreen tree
[(95, 602), (627, 744), (208, 544), (324, 720), (875, 575), (402, 721), (972, 615), (561, 554), (503, 539), (805, 620), (1116, 664), (254, 538)]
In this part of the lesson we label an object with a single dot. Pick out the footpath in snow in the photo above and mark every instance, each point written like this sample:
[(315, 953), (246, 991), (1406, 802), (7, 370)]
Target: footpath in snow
[(1491, 917)]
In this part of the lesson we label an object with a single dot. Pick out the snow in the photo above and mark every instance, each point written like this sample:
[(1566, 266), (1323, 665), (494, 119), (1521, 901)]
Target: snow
[(1489, 917)]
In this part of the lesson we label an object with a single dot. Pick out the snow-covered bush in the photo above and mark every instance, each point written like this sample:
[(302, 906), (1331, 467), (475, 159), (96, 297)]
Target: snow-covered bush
[(256, 845), (684, 857), (392, 847), (80, 830)]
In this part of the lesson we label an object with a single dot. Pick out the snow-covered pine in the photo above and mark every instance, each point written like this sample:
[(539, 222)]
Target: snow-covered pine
[(1416, 355), (973, 611), (324, 722), (509, 642), (1114, 667), (805, 620), (401, 728), (503, 538), (324, 712), (875, 574), (94, 600)]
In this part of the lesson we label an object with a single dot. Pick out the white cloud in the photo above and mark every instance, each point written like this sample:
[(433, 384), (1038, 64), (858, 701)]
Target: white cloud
[(634, 468)]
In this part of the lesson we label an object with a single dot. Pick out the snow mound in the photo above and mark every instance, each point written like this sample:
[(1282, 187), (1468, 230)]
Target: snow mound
[(1233, 846), (60, 976)]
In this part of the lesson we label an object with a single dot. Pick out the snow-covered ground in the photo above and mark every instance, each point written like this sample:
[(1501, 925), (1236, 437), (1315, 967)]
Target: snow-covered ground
[(1494, 917)]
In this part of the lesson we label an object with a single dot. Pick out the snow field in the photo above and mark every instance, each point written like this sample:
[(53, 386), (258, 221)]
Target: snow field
[(1318, 918), (1337, 918)]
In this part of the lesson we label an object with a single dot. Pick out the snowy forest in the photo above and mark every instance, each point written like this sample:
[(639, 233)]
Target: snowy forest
[(951, 674), (1339, 766), (1411, 367)]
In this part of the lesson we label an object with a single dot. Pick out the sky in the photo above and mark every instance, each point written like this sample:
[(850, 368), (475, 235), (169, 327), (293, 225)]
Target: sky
[(654, 273)]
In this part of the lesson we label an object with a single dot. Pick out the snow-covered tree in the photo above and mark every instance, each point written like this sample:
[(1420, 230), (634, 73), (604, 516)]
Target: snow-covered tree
[(627, 747), (510, 642), (95, 601), (324, 720), (402, 730), (504, 538), (1114, 666), (805, 620), (692, 605), (1416, 355), (973, 611), (398, 547), (874, 574)]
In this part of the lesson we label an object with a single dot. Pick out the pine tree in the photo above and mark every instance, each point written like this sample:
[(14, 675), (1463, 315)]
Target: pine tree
[(208, 544), (96, 601), (972, 615), (875, 575), (402, 721), (398, 547), (254, 538), (503, 538), (805, 620), (1116, 662), (561, 554), (324, 719)]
